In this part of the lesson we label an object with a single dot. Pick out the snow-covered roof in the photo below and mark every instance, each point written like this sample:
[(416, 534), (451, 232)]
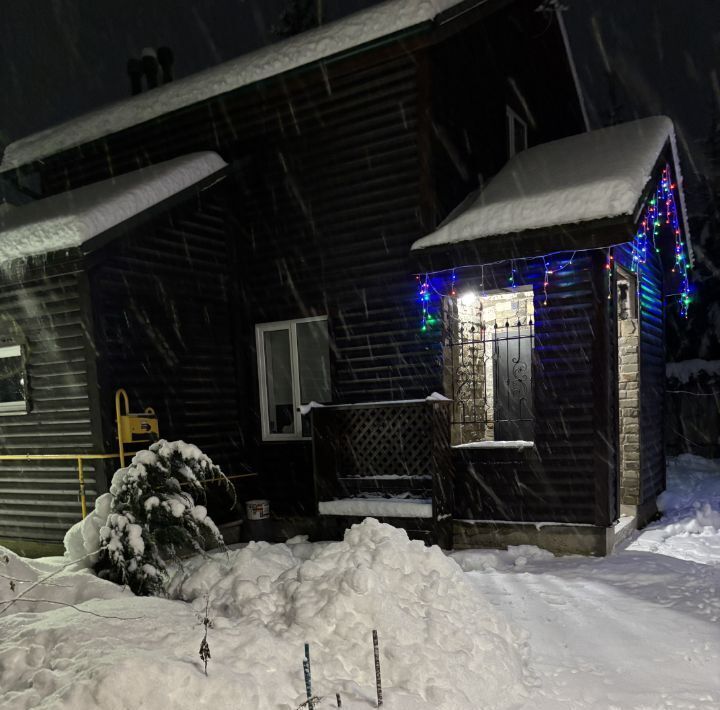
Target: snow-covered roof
[(71, 218), (347, 33), (595, 175)]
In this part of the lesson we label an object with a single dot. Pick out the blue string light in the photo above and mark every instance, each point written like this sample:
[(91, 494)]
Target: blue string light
[(660, 209)]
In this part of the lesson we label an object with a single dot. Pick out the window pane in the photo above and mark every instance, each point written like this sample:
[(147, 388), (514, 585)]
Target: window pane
[(281, 416), (11, 379), (314, 361)]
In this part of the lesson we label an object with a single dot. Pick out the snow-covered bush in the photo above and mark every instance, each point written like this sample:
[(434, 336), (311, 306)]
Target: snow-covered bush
[(156, 512), (82, 540)]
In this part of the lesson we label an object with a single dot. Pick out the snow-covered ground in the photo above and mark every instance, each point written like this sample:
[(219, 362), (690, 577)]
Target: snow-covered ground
[(476, 630), (639, 629)]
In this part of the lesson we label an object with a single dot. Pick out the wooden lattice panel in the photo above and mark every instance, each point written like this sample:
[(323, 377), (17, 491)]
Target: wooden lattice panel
[(357, 447), (381, 442)]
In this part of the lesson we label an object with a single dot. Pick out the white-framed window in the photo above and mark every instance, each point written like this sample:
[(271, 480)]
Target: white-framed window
[(13, 391), (293, 370), (517, 132)]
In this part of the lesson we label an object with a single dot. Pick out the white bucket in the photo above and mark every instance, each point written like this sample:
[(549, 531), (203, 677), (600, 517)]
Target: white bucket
[(257, 509)]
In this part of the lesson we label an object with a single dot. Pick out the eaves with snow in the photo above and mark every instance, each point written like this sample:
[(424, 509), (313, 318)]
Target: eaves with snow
[(348, 33), (71, 219), (598, 175)]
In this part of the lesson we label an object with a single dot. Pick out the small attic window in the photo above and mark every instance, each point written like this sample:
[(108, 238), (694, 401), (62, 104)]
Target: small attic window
[(13, 380), (517, 132)]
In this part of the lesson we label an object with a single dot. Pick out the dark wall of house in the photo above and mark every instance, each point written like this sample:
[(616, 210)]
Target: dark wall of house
[(327, 207), (514, 58), (43, 306), (652, 380), (570, 476), (163, 304)]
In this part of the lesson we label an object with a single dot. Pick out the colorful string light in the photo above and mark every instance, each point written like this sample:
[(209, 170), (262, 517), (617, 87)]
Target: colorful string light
[(660, 211), (609, 261)]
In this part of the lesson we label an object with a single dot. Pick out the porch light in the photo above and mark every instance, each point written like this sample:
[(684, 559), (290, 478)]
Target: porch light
[(468, 298)]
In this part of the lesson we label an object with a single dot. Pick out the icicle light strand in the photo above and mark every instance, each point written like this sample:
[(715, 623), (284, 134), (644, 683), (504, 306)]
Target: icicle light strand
[(659, 212)]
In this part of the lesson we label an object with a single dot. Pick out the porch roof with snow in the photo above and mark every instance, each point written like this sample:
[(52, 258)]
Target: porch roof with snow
[(359, 30), (72, 219), (567, 183)]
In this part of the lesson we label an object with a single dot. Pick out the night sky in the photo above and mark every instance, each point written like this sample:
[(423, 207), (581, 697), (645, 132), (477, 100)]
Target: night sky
[(60, 58)]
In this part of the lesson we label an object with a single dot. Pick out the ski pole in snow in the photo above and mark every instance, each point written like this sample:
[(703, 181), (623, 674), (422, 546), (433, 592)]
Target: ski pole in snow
[(339, 701), (308, 684), (378, 684)]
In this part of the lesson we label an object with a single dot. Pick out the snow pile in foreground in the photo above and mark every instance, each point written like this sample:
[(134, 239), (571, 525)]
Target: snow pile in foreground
[(690, 526), (442, 645), (82, 540), (64, 584)]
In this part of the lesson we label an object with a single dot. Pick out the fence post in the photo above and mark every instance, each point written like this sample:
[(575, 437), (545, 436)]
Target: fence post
[(81, 481)]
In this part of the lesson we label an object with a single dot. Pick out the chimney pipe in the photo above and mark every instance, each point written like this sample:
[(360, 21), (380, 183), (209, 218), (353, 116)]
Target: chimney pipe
[(166, 58), (150, 67), (135, 72)]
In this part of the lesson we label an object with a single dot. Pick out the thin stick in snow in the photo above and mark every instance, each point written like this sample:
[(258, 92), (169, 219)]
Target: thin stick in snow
[(76, 608), (378, 683), (307, 655), (43, 580), (308, 684), (204, 646)]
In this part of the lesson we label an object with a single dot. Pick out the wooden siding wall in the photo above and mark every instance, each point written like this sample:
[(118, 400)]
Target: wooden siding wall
[(340, 167), (327, 206), (163, 309), (39, 500), (570, 476), (652, 373), (652, 380)]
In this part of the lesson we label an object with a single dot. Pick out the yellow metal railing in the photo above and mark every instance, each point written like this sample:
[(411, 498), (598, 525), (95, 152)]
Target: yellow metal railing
[(133, 429), (81, 458)]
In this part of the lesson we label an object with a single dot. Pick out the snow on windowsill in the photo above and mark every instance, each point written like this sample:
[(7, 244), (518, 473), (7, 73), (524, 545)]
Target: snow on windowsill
[(525, 523), (433, 397), (386, 477), (513, 444), (378, 507)]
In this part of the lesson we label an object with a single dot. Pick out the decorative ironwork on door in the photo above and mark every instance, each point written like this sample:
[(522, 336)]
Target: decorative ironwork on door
[(489, 373)]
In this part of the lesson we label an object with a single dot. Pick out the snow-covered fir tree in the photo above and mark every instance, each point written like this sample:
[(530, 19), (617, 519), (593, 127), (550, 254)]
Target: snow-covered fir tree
[(157, 512)]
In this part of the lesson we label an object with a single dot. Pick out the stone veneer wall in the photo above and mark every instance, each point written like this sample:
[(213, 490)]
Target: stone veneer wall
[(629, 403)]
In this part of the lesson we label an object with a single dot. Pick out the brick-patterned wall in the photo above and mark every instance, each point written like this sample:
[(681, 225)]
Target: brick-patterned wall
[(629, 391)]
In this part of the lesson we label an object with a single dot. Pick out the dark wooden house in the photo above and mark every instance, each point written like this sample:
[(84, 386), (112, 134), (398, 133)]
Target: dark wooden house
[(346, 145), (124, 283)]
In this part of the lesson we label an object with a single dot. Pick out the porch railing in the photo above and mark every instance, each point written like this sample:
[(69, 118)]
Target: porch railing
[(389, 450), (488, 375)]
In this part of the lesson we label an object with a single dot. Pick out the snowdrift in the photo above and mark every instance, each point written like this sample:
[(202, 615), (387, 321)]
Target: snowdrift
[(442, 646)]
